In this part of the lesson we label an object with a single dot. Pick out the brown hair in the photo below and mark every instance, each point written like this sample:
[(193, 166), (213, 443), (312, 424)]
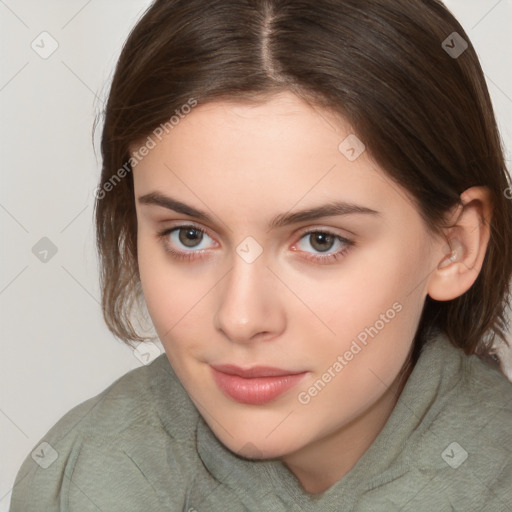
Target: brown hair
[(424, 115)]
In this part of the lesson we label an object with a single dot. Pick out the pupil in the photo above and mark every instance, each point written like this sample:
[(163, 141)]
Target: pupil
[(322, 241), (190, 237)]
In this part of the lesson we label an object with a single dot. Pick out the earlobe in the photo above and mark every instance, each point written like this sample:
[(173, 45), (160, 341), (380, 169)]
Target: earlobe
[(461, 254)]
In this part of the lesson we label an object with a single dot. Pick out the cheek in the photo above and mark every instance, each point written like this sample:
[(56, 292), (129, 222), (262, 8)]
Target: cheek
[(373, 307), (163, 292), (174, 296), (373, 281), (152, 276)]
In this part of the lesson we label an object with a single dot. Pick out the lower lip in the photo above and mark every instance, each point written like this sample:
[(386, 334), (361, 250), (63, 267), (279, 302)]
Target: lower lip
[(255, 391)]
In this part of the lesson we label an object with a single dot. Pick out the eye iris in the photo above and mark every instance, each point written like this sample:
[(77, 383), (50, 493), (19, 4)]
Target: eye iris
[(190, 237), (321, 241)]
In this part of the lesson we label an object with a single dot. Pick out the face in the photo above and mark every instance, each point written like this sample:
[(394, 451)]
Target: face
[(284, 278)]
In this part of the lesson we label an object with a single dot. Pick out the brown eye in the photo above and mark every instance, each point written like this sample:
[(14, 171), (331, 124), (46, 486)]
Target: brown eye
[(186, 239), (323, 247), (321, 241), (190, 237), (187, 242)]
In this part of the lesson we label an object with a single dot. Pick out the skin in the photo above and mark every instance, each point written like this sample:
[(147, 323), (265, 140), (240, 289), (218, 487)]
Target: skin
[(243, 165)]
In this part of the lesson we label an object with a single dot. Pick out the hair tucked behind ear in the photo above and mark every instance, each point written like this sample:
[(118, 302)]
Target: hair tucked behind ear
[(425, 117)]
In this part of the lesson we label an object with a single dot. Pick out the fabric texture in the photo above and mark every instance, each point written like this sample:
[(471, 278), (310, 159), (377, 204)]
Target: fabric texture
[(141, 445)]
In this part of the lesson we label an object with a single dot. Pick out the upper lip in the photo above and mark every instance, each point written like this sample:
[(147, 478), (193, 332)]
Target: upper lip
[(254, 371)]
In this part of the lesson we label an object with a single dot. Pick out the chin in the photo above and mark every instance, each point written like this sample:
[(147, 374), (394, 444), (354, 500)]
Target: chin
[(260, 449), (251, 451)]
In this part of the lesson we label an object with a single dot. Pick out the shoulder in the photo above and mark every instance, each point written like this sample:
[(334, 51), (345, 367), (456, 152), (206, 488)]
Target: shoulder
[(134, 399), (486, 395), (471, 393), (113, 448), (468, 434)]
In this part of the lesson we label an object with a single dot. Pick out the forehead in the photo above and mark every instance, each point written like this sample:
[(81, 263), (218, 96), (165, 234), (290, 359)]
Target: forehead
[(277, 122), (283, 151)]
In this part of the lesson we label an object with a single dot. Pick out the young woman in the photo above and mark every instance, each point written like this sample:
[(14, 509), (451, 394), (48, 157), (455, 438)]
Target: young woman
[(310, 198)]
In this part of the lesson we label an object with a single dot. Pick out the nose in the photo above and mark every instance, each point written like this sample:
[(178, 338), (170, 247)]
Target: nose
[(249, 305)]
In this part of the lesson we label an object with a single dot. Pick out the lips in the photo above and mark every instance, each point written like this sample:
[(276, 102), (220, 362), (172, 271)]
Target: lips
[(256, 385)]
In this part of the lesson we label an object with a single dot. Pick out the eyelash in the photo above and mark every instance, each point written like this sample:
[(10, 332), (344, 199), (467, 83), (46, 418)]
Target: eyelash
[(192, 255)]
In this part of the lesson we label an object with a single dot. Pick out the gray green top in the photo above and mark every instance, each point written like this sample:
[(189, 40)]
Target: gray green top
[(141, 445)]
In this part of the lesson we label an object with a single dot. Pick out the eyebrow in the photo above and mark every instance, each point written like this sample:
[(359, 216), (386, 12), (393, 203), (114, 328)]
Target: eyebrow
[(327, 210)]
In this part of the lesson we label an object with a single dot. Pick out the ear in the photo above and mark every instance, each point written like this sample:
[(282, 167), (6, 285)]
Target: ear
[(460, 255)]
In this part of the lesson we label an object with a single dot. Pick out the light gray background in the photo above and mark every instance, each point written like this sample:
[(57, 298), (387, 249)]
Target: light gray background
[(55, 349)]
